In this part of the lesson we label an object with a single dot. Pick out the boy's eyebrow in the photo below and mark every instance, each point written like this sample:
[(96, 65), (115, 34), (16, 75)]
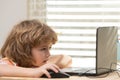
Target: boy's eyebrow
[(44, 46)]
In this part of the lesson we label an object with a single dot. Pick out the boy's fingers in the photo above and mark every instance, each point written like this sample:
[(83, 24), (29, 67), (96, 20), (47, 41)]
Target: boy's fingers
[(56, 67), (47, 74)]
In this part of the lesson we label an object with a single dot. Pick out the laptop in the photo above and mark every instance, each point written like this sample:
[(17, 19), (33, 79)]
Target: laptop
[(106, 54)]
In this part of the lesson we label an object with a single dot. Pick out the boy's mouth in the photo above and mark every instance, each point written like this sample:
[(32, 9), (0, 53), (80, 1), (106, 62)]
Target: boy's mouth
[(45, 60)]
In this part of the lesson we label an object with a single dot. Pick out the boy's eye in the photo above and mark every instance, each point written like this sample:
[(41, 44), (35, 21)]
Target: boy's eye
[(43, 48), (50, 47)]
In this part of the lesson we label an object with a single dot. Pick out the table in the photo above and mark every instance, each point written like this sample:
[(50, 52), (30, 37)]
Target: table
[(111, 76)]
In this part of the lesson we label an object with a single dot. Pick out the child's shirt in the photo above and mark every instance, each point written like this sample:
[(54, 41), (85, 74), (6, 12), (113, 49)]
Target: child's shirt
[(7, 61)]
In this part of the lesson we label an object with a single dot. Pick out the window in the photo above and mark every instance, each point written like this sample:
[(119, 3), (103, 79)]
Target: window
[(76, 21)]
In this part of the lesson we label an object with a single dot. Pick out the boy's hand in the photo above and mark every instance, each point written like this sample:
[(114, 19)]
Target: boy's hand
[(60, 60), (48, 66)]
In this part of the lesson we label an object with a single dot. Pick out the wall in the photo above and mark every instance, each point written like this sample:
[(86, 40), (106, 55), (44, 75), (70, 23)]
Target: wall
[(11, 12)]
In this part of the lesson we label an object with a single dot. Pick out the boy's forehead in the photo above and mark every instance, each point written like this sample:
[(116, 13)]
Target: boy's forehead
[(45, 44)]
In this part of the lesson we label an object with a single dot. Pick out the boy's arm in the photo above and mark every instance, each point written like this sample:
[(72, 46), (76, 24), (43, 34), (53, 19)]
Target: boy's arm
[(61, 60), (15, 71), (8, 70)]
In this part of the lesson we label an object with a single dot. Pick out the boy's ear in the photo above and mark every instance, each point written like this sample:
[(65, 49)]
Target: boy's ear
[(61, 60)]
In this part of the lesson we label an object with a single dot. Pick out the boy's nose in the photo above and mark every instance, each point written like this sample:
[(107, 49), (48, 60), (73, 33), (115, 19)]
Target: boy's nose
[(48, 54)]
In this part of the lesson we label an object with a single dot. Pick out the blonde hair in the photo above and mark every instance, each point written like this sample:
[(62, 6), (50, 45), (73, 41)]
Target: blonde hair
[(23, 37)]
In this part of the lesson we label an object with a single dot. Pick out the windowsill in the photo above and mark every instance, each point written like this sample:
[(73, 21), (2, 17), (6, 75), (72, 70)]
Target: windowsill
[(83, 62), (87, 62)]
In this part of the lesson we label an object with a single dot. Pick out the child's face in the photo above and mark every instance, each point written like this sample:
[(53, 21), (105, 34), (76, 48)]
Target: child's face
[(41, 54)]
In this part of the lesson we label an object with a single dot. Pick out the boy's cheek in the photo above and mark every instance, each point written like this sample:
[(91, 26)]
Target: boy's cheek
[(61, 60)]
